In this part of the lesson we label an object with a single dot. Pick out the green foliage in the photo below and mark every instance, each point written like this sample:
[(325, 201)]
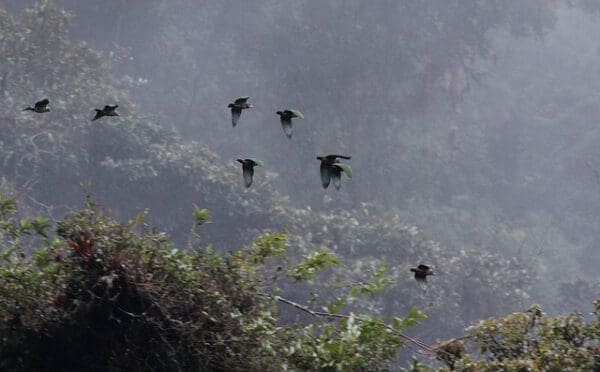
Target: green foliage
[(532, 340), (202, 216), (268, 246), (411, 319), (140, 301), (377, 283), (360, 343), (101, 297), (7, 206), (313, 263)]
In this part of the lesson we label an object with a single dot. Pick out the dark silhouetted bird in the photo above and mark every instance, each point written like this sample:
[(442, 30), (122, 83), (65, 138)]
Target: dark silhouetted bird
[(39, 107), (327, 163), (108, 110), (421, 273), (286, 117), (237, 107), (248, 169)]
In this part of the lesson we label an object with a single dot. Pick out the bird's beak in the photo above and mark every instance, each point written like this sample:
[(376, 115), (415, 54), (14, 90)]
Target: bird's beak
[(250, 106)]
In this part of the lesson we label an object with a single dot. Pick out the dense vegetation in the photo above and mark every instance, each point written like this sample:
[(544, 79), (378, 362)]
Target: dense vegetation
[(484, 192), (95, 295), (531, 341)]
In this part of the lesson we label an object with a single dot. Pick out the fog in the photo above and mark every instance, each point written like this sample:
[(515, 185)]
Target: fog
[(477, 123)]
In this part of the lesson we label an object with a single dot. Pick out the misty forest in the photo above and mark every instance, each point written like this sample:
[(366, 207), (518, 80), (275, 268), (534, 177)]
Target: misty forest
[(297, 185)]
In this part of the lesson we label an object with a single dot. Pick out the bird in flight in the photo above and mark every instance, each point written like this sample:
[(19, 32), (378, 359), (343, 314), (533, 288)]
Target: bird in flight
[(236, 109), (286, 117), (108, 110), (39, 107), (328, 171), (421, 273), (248, 165)]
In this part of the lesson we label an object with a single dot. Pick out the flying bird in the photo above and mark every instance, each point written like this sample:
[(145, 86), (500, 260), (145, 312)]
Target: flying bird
[(236, 109), (421, 273), (327, 170), (108, 110), (248, 169), (39, 107), (286, 117)]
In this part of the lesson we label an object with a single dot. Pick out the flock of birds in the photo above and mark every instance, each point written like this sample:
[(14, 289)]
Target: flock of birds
[(42, 106), (331, 167)]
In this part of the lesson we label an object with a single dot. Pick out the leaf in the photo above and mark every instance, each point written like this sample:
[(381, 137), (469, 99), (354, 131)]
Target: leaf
[(411, 319), (141, 217), (312, 264), (202, 216), (377, 283), (269, 245), (40, 224), (7, 206)]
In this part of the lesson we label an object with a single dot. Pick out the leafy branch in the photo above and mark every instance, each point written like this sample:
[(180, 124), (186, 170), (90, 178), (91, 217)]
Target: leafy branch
[(410, 319)]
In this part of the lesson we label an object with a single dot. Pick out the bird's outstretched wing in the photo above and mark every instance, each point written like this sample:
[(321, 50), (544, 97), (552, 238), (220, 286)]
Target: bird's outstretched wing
[(295, 113), (333, 157), (325, 174), (258, 162), (241, 100), (336, 177), (344, 168), (248, 171), (235, 115), (286, 124), (422, 282), (41, 104), (99, 114)]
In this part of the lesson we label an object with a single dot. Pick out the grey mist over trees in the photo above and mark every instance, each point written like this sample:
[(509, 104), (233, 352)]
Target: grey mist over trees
[(472, 126)]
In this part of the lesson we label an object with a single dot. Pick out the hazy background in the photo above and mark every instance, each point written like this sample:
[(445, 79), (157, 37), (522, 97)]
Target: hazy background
[(474, 121)]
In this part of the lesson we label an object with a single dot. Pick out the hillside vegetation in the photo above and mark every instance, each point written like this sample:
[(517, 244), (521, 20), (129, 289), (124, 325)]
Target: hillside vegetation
[(85, 284)]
